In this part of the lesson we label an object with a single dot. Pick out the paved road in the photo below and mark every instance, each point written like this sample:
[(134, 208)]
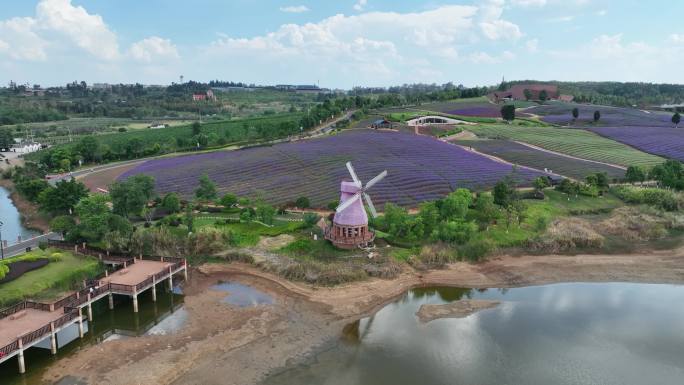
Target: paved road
[(20, 248)]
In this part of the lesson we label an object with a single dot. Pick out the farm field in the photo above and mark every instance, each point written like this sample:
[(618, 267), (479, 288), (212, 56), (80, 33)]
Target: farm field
[(561, 113), (420, 169), (664, 141), (526, 156), (575, 142)]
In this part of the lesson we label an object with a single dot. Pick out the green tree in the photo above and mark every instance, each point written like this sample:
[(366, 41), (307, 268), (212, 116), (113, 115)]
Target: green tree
[(508, 112), (332, 205), (541, 183), (196, 128), (266, 213), (6, 138), (575, 113), (171, 203), (129, 197), (528, 94), (676, 118), (504, 193), (310, 219), (543, 96), (635, 174), (189, 217), (93, 214), (228, 200), (485, 210), (597, 115), (31, 188), (207, 188), (88, 147), (63, 224), (303, 203), (429, 216), (62, 198), (456, 204)]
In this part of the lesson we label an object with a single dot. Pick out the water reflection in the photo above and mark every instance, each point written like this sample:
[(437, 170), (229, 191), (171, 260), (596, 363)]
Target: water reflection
[(243, 295), (12, 227), (555, 334)]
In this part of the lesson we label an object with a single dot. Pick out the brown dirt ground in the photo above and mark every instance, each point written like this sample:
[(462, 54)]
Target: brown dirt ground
[(102, 179), (225, 345)]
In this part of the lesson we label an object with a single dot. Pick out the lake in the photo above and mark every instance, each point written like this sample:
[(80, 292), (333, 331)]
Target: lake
[(608, 333), (11, 219)]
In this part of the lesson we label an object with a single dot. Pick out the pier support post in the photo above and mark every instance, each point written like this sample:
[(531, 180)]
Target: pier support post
[(185, 270), (53, 339), (135, 302), (90, 308), (20, 357), (154, 289), (170, 279), (111, 301), (80, 322)]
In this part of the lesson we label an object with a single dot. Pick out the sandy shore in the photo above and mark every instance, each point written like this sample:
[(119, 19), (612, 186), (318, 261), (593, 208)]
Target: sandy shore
[(456, 309), (226, 345)]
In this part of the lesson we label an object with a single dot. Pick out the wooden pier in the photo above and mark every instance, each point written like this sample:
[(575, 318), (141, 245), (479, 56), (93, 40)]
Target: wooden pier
[(29, 323)]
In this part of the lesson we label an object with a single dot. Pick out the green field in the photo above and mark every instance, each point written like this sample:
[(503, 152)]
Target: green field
[(247, 233), (50, 280), (580, 143)]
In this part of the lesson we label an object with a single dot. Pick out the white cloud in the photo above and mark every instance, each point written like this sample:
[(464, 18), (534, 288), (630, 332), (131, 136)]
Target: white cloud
[(529, 3), (601, 12), (295, 9), (21, 42), (485, 58), (676, 38), (153, 49), (532, 45), (360, 5), (87, 31), (561, 19)]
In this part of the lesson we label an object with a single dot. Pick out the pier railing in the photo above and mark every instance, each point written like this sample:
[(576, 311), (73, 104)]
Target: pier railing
[(94, 287)]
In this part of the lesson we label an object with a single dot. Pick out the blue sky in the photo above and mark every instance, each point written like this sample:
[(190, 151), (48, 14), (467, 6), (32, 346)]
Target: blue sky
[(342, 43)]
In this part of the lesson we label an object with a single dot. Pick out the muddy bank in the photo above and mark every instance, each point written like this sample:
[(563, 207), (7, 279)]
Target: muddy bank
[(223, 344), (456, 309), (31, 218)]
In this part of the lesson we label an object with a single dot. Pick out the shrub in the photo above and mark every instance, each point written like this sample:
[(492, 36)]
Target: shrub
[(436, 255), (4, 269), (662, 199), (42, 245), (310, 219), (476, 249), (302, 203)]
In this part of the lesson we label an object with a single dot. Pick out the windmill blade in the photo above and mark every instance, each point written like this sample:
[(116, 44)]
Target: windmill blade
[(356, 179), (371, 207), (348, 202), (375, 180)]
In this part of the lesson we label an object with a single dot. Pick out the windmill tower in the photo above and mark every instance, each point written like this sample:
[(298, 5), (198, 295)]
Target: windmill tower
[(350, 223)]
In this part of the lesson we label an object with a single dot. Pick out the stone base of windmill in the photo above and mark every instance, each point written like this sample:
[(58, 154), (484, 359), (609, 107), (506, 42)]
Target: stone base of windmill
[(349, 237)]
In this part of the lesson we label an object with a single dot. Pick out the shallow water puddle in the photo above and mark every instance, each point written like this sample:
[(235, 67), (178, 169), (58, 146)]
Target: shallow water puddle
[(242, 295)]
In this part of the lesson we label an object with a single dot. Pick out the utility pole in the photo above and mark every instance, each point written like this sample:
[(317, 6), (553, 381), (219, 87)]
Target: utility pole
[(2, 247)]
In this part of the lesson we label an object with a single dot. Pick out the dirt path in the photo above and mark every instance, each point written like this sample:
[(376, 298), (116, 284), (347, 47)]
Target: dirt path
[(500, 160), (226, 345)]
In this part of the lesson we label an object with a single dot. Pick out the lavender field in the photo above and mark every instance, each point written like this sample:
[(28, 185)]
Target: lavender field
[(664, 141), (526, 156), (420, 169), (561, 114)]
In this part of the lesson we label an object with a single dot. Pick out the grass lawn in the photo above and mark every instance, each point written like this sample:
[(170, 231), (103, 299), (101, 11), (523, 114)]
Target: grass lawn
[(308, 250), (576, 142), (248, 233), (49, 281)]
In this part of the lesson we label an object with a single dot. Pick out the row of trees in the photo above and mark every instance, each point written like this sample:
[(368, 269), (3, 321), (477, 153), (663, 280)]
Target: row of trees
[(669, 174)]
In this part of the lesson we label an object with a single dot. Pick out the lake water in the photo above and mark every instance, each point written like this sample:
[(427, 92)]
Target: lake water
[(610, 334), (11, 219), (242, 295), (165, 316)]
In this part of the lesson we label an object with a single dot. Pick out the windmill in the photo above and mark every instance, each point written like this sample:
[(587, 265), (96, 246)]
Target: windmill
[(350, 223)]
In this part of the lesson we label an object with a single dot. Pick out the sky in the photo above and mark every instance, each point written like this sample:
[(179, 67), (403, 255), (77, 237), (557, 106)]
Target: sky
[(340, 43)]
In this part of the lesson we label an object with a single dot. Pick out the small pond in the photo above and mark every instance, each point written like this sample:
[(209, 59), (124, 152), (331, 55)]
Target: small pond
[(242, 295), (611, 334)]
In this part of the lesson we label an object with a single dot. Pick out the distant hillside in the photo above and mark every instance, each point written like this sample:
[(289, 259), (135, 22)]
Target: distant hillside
[(616, 93)]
